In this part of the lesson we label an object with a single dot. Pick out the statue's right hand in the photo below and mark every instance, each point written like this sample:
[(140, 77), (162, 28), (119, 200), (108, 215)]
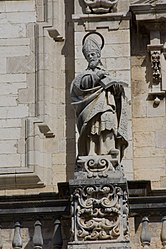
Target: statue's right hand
[(100, 74)]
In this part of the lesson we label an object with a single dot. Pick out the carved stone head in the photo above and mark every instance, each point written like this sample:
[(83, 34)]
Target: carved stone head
[(92, 52)]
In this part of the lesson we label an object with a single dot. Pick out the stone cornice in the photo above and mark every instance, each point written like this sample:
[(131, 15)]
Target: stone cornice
[(148, 12), (44, 205), (145, 201), (101, 17)]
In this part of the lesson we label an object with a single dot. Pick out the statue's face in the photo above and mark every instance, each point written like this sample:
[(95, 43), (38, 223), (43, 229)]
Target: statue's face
[(93, 59)]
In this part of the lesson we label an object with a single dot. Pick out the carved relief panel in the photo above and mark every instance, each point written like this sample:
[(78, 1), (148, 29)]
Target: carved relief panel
[(156, 67), (99, 213)]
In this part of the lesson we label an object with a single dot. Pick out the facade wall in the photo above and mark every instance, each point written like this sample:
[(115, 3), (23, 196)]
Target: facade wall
[(38, 44), (147, 36), (33, 96), (40, 54)]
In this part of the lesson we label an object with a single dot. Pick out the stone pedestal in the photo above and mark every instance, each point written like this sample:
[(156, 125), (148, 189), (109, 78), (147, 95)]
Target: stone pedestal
[(99, 205)]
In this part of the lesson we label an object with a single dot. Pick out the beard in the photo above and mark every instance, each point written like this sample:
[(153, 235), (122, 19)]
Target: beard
[(93, 64)]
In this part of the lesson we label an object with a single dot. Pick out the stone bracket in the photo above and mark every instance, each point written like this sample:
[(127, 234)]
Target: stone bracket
[(46, 130), (55, 35)]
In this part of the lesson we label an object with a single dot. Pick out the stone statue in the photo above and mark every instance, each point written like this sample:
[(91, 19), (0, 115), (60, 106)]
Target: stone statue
[(100, 106)]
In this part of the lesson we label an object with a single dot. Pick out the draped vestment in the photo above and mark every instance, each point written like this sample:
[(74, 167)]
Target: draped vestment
[(98, 110)]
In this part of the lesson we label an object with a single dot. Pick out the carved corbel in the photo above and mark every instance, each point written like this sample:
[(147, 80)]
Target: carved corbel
[(55, 35), (100, 6), (46, 130)]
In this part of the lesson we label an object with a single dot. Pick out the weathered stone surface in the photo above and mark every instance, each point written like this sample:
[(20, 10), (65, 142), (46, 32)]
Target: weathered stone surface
[(144, 139), (156, 111), (150, 168)]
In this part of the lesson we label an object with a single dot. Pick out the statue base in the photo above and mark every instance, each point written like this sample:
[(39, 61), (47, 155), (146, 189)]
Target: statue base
[(99, 166)]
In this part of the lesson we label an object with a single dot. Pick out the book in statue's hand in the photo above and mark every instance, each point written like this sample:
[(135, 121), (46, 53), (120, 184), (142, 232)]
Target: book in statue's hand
[(108, 82)]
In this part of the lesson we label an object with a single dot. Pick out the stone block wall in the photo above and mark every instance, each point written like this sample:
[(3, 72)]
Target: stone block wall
[(33, 96), (40, 54), (149, 131), (18, 62)]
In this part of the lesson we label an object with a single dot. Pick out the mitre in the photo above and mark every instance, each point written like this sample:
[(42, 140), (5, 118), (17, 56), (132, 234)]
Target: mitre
[(89, 45)]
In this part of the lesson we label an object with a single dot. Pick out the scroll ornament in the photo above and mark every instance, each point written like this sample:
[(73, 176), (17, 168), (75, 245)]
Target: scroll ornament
[(99, 213)]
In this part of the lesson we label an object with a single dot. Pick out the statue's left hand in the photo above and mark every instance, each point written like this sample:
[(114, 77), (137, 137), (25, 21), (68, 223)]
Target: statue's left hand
[(117, 89)]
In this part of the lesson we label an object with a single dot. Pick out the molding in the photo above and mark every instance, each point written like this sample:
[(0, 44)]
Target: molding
[(149, 12), (43, 205), (145, 201), (91, 22), (101, 17), (154, 47), (20, 179), (153, 95)]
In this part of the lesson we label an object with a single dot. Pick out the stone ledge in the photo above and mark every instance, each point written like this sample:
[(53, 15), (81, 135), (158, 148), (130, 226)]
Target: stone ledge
[(145, 201), (20, 180), (101, 17), (99, 245), (43, 205), (146, 12)]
